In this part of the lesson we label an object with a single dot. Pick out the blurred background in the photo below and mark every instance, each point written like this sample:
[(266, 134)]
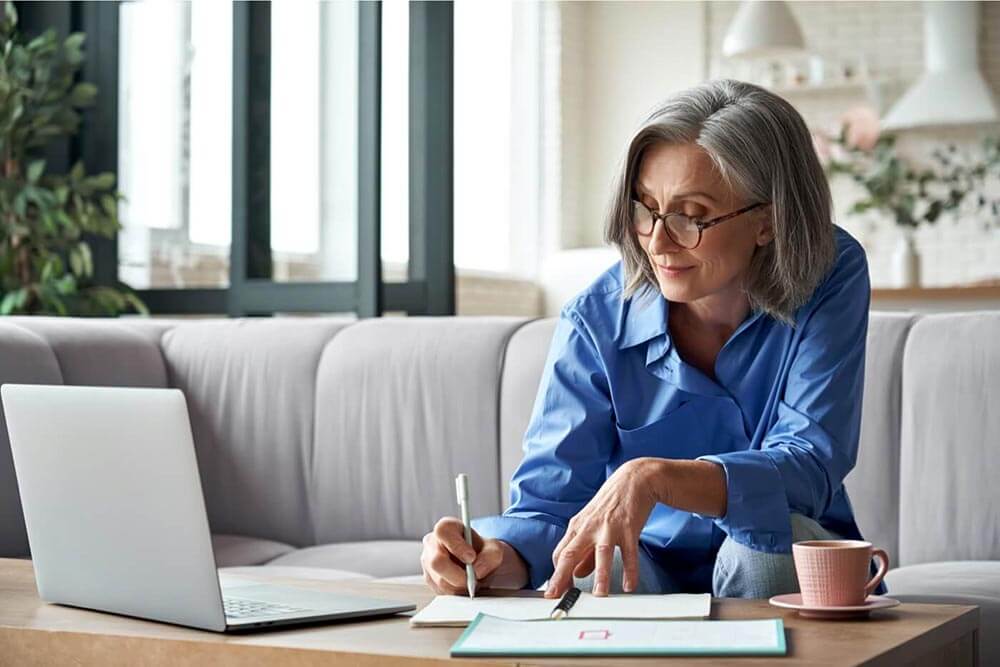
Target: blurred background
[(437, 158)]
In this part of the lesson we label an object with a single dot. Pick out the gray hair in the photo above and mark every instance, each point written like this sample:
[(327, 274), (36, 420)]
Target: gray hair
[(764, 152)]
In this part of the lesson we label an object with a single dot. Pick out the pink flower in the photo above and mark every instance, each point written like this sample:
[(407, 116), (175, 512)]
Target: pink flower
[(862, 127)]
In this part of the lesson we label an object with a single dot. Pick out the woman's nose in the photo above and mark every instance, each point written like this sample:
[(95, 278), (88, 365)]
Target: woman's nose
[(660, 242)]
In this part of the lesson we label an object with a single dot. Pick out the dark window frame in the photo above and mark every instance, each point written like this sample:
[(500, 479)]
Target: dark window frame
[(430, 285)]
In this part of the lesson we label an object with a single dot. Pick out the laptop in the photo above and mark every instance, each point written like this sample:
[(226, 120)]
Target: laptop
[(116, 517)]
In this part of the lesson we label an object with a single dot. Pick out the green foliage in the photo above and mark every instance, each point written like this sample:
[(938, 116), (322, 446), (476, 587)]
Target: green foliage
[(46, 264), (916, 196)]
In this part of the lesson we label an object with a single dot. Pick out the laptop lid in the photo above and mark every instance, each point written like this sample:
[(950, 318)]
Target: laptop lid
[(112, 501)]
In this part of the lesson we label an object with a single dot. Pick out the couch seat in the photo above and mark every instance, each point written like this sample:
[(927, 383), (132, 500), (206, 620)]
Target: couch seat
[(378, 558), (236, 550), (956, 582)]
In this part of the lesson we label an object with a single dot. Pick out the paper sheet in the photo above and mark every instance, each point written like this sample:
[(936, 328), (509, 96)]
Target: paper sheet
[(497, 636), (455, 610)]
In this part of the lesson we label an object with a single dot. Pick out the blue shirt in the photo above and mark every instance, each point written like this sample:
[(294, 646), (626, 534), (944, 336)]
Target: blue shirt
[(782, 417)]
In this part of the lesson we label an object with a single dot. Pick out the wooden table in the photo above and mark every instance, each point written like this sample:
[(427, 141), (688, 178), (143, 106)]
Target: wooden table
[(35, 633)]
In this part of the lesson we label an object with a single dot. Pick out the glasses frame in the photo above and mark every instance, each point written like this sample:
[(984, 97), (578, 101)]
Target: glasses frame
[(702, 225)]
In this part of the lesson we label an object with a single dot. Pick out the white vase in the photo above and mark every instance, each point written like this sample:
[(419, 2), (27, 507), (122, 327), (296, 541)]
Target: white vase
[(906, 261)]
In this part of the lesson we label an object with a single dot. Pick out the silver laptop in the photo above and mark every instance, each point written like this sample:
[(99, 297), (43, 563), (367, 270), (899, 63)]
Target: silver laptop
[(116, 517)]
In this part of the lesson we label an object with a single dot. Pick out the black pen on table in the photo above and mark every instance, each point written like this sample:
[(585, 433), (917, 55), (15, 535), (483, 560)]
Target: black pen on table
[(569, 599)]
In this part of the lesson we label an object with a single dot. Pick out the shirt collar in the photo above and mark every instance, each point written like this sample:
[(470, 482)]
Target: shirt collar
[(644, 318)]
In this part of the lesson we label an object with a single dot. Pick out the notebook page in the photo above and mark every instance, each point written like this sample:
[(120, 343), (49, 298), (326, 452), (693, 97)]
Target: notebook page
[(458, 610), (677, 605)]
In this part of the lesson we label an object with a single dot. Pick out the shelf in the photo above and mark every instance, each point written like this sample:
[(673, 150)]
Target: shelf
[(972, 292)]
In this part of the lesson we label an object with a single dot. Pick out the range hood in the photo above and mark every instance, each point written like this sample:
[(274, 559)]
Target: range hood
[(952, 90)]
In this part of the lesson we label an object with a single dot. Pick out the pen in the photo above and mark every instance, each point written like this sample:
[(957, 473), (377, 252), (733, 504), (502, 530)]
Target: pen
[(462, 490), (569, 599)]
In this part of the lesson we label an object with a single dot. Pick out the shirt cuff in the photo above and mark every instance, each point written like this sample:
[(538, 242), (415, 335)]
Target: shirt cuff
[(533, 538), (757, 512)]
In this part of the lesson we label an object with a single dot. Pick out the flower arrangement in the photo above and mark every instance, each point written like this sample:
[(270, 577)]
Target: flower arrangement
[(911, 195)]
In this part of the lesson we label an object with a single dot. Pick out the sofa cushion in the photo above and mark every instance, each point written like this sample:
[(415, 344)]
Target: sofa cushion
[(236, 550), (102, 352), (873, 485), (250, 388), (402, 406), (378, 558), (956, 582), (24, 359), (522, 371), (949, 496)]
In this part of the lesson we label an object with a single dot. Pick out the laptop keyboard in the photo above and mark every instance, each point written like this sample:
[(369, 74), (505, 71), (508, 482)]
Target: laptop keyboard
[(243, 608)]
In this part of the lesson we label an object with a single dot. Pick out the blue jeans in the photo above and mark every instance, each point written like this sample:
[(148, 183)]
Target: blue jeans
[(740, 572)]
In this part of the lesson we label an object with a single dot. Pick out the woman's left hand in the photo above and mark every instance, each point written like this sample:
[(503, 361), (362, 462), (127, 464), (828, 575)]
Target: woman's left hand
[(614, 517)]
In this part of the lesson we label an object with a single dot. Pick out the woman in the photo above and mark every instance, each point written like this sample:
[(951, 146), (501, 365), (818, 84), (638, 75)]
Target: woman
[(701, 401)]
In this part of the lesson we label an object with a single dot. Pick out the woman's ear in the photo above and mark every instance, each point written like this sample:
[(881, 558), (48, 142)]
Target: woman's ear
[(765, 233)]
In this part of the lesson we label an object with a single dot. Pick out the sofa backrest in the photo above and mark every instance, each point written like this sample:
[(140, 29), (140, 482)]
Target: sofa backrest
[(311, 430), (251, 393), (873, 485), (949, 493), (24, 359), (404, 405)]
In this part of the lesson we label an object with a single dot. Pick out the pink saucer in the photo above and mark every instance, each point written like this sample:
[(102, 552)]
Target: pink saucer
[(794, 601)]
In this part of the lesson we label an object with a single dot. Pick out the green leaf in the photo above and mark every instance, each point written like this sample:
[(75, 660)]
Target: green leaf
[(75, 41), (83, 94), (136, 303), (10, 16), (13, 300), (66, 285), (87, 257), (35, 170), (102, 181)]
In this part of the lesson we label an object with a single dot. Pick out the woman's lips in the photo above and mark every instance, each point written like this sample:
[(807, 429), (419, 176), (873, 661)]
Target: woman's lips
[(671, 271)]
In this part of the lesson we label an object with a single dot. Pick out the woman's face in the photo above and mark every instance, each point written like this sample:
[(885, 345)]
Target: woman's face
[(681, 178)]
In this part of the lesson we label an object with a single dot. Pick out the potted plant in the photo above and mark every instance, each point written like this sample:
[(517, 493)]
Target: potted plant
[(911, 196), (46, 263)]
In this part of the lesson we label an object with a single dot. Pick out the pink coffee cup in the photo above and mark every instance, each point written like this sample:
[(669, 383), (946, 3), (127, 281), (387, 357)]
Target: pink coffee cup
[(834, 573)]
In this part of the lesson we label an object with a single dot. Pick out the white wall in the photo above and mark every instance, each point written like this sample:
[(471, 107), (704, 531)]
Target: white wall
[(619, 59)]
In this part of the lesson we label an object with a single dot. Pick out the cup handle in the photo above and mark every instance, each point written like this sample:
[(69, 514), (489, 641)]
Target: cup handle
[(882, 569)]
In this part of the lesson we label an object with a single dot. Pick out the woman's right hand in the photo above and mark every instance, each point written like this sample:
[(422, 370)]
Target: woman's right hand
[(445, 554)]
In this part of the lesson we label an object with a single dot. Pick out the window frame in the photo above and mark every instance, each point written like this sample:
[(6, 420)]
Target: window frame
[(430, 285)]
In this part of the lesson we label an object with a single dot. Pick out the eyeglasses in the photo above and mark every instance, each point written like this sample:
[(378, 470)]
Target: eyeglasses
[(683, 230)]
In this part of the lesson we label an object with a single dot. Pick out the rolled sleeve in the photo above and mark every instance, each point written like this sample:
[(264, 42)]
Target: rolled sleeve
[(567, 446), (813, 443), (534, 539)]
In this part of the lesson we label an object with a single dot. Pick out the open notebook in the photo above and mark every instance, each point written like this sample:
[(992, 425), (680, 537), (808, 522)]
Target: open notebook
[(458, 611)]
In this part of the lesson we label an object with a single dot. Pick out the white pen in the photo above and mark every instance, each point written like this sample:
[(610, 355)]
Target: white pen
[(462, 491)]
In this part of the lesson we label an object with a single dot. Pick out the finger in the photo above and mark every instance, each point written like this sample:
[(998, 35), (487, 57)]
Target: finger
[(450, 533), (567, 537), (488, 559), (442, 587), (585, 567), (446, 569), (570, 557), (604, 555), (630, 566)]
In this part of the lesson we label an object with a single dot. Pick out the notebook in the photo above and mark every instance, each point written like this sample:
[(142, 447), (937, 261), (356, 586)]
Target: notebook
[(458, 611), (491, 636)]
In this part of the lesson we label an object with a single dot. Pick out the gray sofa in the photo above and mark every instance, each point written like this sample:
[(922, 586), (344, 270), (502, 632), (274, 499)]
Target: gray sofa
[(331, 444)]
